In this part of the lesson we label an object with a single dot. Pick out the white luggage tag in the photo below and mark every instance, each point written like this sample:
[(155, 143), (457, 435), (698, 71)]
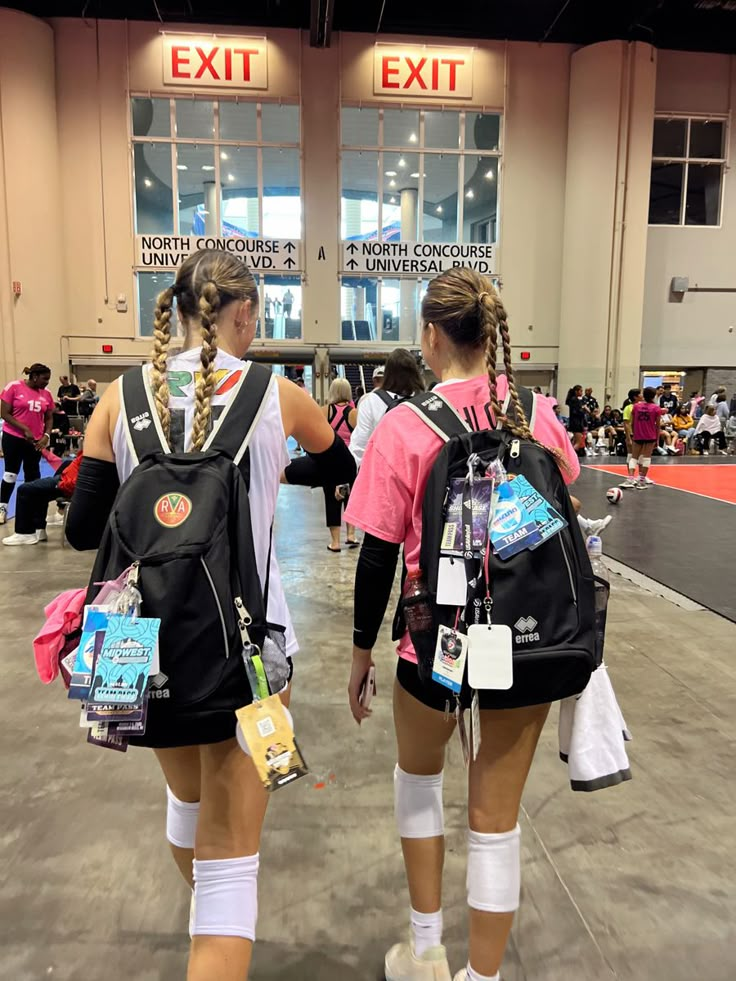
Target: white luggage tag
[(490, 660), (452, 584)]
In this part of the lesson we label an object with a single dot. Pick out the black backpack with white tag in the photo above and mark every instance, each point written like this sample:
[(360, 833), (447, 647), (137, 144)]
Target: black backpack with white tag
[(545, 595), (185, 519)]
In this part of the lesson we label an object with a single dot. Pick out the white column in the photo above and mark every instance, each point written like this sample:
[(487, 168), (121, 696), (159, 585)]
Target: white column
[(609, 148), (408, 288), (210, 207)]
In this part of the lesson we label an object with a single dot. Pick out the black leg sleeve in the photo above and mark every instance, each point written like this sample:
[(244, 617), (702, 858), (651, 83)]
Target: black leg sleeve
[(374, 579), (94, 494)]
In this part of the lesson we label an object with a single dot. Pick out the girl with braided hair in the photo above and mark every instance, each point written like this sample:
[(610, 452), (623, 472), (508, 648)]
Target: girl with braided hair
[(216, 803), (463, 320)]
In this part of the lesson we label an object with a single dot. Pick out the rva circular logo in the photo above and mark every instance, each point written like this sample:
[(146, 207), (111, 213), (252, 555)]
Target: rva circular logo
[(172, 510)]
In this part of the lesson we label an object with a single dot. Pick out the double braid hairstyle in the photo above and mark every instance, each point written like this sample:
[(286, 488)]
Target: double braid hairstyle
[(205, 283), (466, 306)]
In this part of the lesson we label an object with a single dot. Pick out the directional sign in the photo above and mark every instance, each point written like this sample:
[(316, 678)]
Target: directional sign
[(277, 255), (416, 258)]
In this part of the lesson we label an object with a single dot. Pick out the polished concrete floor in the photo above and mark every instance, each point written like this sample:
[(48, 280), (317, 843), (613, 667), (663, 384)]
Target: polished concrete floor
[(636, 882)]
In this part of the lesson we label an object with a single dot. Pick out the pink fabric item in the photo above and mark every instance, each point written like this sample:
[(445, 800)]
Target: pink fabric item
[(386, 500), (28, 405), (52, 459), (63, 616), (339, 424), (645, 422)]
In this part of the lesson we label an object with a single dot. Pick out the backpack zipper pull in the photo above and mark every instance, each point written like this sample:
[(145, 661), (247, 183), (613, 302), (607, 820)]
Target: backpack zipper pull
[(515, 448), (244, 621)]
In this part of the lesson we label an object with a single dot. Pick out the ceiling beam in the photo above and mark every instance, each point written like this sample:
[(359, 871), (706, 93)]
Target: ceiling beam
[(320, 27)]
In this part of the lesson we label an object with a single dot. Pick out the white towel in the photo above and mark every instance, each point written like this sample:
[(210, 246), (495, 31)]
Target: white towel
[(593, 733)]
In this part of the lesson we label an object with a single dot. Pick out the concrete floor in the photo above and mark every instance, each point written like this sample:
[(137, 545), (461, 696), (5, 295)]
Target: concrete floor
[(635, 882)]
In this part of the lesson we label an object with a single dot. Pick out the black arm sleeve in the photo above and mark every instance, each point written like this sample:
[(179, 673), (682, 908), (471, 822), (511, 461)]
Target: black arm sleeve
[(329, 469), (94, 493), (374, 579)]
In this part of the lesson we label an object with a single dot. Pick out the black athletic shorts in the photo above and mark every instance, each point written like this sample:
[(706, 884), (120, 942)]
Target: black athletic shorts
[(531, 687), (644, 442), (210, 721)]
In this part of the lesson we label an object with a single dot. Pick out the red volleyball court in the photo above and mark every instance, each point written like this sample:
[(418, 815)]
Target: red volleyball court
[(716, 480)]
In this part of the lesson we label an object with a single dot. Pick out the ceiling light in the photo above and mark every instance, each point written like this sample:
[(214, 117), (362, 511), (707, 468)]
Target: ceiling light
[(402, 162), (470, 193), (392, 200), (390, 173), (490, 175), (413, 138), (207, 167), (439, 209), (417, 175), (223, 155), (147, 182), (392, 183), (182, 167), (231, 177)]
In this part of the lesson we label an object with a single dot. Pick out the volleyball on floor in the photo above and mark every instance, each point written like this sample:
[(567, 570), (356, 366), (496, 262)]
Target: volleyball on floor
[(614, 495)]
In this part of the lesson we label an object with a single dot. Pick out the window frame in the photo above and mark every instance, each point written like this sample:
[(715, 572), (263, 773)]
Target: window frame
[(173, 140), (686, 160), (462, 152)]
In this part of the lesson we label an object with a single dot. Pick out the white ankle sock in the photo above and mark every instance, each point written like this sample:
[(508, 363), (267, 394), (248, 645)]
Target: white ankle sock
[(426, 930), (474, 976)]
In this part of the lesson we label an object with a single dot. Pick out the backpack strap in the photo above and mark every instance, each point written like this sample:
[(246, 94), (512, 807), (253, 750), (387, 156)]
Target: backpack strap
[(436, 412), (528, 401), (235, 427), (141, 423), (384, 397)]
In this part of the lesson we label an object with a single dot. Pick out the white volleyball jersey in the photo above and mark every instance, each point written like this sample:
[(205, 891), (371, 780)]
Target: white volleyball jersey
[(268, 458)]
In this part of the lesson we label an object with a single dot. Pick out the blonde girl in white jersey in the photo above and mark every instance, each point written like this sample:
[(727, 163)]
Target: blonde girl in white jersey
[(216, 803)]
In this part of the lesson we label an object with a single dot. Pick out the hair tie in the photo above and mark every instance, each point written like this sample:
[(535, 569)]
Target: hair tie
[(481, 295)]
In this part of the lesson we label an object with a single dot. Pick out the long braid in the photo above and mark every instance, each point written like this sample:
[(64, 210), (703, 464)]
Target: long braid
[(490, 324), (209, 305), (161, 339)]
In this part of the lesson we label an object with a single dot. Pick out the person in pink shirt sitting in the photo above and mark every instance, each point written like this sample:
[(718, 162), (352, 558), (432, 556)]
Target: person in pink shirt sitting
[(27, 410), (462, 315)]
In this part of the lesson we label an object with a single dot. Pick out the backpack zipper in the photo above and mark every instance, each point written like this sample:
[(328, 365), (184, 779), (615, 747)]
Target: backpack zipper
[(569, 571), (219, 607), (515, 448), (244, 620)]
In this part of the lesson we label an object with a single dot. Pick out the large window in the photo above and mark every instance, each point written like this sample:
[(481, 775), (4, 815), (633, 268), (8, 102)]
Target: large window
[(688, 164), (223, 168), (418, 176)]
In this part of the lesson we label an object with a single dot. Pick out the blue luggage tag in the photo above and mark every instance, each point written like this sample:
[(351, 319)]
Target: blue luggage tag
[(120, 677), (513, 528), (90, 645), (548, 520)]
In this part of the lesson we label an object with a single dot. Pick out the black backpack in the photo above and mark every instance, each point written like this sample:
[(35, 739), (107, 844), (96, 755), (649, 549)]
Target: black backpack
[(185, 519), (546, 596)]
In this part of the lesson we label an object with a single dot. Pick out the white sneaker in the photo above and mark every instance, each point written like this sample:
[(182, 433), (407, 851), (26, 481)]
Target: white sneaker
[(402, 965), (649, 482), (722, 453), (3, 513), (17, 539), (57, 519), (41, 535), (461, 975), (629, 482), (594, 526)]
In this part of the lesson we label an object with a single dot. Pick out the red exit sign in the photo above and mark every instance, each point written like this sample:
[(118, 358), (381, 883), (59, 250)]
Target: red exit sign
[(423, 71), (239, 63)]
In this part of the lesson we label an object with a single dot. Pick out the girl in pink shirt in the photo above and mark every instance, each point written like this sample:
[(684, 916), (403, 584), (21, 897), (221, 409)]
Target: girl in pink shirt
[(27, 410), (462, 315)]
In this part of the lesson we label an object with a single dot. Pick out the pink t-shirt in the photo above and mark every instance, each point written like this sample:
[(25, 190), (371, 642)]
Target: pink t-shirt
[(339, 422), (386, 500), (645, 422), (28, 405)]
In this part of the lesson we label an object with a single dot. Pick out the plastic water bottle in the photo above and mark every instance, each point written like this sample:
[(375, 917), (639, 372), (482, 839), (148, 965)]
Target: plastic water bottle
[(602, 590), (419, 620)]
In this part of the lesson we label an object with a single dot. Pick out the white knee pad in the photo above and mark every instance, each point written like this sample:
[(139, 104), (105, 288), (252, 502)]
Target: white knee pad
[(418, 804), (494, 871), (645, 461), (10, 478), (181, 821), (226, 897)]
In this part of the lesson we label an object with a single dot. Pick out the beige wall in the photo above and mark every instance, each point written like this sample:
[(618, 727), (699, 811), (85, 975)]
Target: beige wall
[(695, 331), (30, 198)]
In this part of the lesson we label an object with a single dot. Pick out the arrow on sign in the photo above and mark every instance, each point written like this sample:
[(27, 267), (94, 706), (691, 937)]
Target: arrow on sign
[(289, 262), (351, 263), (289, 246), (352, 247)]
